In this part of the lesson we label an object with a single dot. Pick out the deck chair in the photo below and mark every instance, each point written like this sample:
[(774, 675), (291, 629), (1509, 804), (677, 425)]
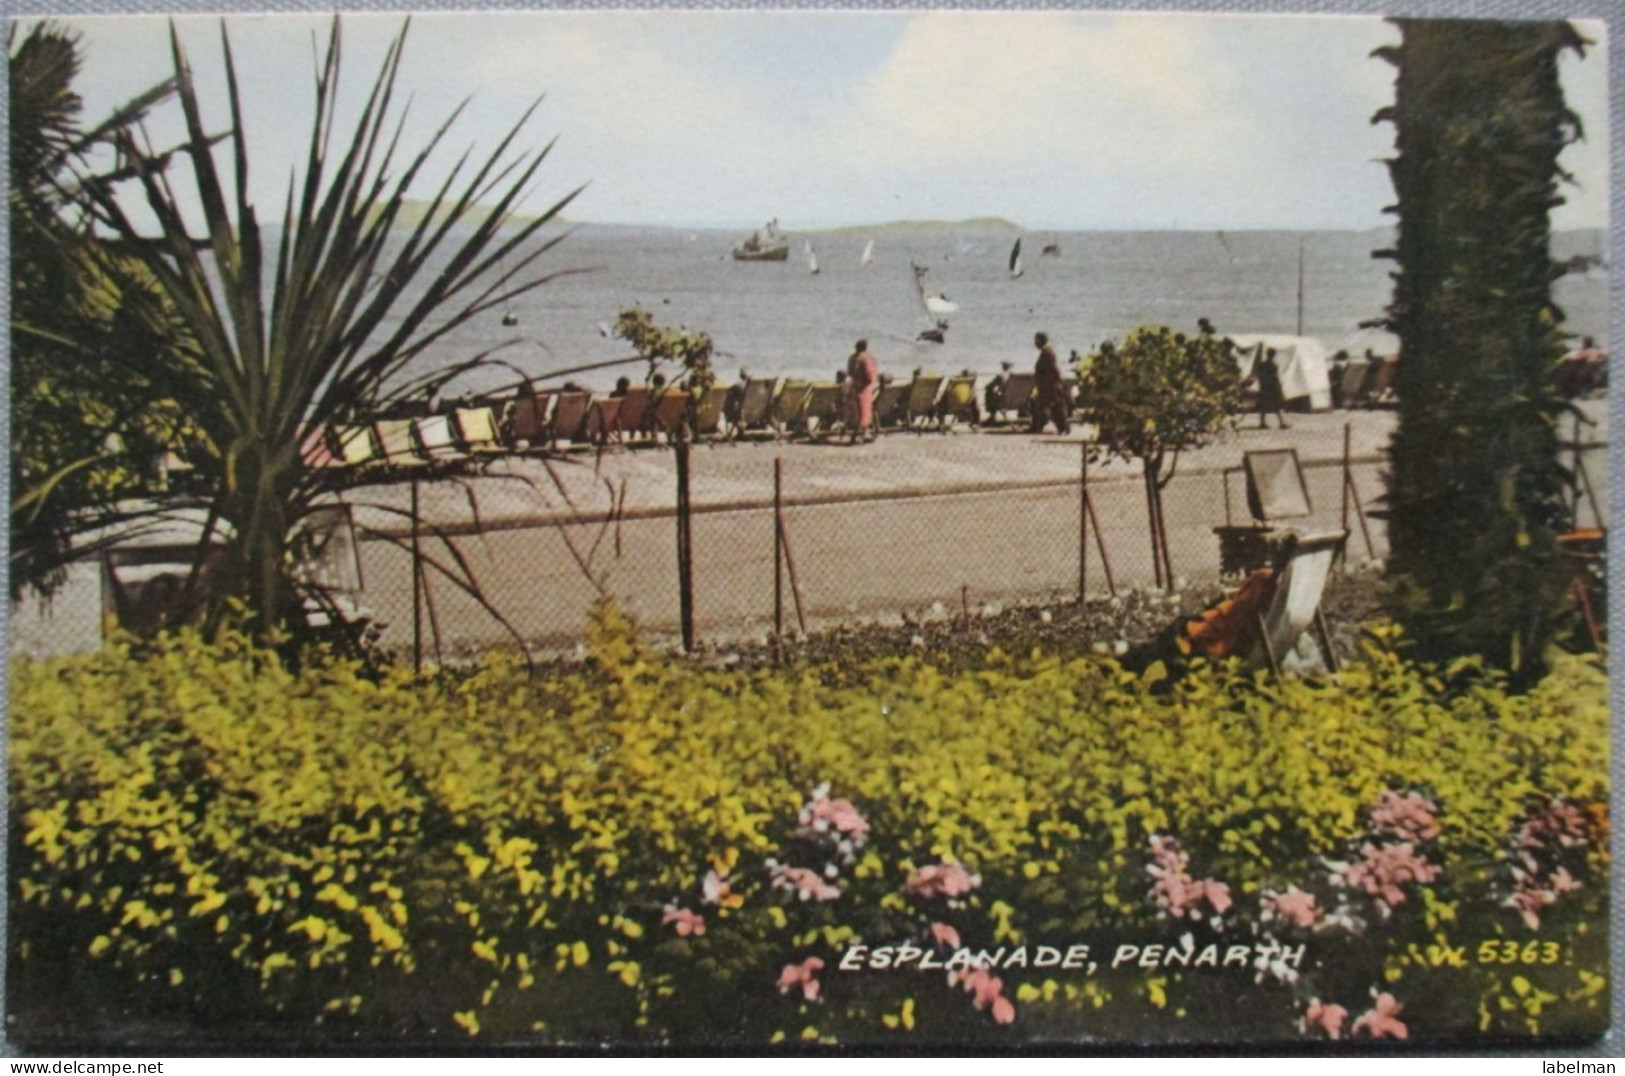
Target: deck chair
[(633, 419), (1276, 491), (1380, 388), (603, 421), (756, 410), (531, 415), (327, 564), (922, 398), (826, 406), (790, 404), (356, 447), (316, 450), (1276, 488), (570, 417), (670, 413), (891, 405), (438, 436), (1353, 381), (958, 402), (479, 433), (709, 412), (398, 447), (1018, 393), (1292, 633)]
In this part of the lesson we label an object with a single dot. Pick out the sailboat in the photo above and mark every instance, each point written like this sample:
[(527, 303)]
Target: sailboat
[(868, 253), (812, 258), (934, 304), (1015, 259)]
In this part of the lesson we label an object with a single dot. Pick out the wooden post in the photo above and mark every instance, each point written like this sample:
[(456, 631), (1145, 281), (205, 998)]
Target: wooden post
[(778, 545), (1100, 544), (417, 587), (1151, 515), (1348, 473), (1083, 526), (685, 548)]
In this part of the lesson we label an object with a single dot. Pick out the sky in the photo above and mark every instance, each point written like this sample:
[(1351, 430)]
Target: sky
[(1053, 120)]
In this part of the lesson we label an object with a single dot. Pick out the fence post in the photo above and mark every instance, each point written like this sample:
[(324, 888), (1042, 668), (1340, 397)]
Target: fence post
[(1083, 525), (778, 546), (417, 588), (685, 546)]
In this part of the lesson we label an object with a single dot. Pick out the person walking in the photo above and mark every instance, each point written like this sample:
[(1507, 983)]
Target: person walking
[(862, 383), (1049, 392), (1271, 397)]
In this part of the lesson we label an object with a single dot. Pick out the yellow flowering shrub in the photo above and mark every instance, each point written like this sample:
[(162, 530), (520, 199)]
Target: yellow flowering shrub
[(636, 848)]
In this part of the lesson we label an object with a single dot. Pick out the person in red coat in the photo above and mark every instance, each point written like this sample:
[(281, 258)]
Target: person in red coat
[(862, 383)]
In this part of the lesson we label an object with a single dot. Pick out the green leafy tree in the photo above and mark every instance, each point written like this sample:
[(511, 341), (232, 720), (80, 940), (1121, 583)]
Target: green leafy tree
[(1477, 488), (319, 329), (691, 351), (88, 326), (1156, 395)]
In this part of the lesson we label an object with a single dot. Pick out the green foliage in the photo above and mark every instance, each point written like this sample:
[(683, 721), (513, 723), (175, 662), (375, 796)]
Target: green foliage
[(1477, 488), (506, 856), (88, 420), (690, 350), (320, 331), (1158, 394)]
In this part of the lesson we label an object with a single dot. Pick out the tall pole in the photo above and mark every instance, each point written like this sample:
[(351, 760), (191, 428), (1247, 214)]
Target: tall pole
[(1300, 285), (685, 547)]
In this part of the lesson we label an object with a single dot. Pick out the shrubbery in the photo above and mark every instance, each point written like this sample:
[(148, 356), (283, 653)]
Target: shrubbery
[(640, 850)]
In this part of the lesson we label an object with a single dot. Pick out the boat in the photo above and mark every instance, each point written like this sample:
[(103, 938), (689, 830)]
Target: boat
[(763, 245), (1015, 259)]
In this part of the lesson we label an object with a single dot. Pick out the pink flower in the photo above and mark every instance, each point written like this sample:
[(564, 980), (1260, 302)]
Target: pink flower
[(987, 992), (1385, 869), (824, 813), (1409, 816), (1295, 906), (806, 884), (943, 934), (944, 880), (1529, 902), (1555, 820), (1563, 881), (1175, 891), (1329, 1018), (687, 922), (804, 975), (1381, 1022)]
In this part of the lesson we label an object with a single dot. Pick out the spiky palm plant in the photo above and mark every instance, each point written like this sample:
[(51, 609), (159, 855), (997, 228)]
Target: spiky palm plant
[(320, 331)]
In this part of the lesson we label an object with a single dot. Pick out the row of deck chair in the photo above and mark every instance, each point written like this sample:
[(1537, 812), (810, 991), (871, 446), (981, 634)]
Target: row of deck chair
[(1366, 382), (467, 437)]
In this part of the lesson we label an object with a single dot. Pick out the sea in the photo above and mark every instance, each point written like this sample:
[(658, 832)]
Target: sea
[(1080, 288)]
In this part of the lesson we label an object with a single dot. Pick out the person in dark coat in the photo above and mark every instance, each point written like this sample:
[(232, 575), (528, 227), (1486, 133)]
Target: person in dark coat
[(1049, 393), (1271, 397)]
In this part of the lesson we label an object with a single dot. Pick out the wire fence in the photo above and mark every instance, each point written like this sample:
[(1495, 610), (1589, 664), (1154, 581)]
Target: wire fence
[(434, 592)]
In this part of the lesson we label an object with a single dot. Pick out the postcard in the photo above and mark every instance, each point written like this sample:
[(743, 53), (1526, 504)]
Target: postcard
[(761, 530)]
